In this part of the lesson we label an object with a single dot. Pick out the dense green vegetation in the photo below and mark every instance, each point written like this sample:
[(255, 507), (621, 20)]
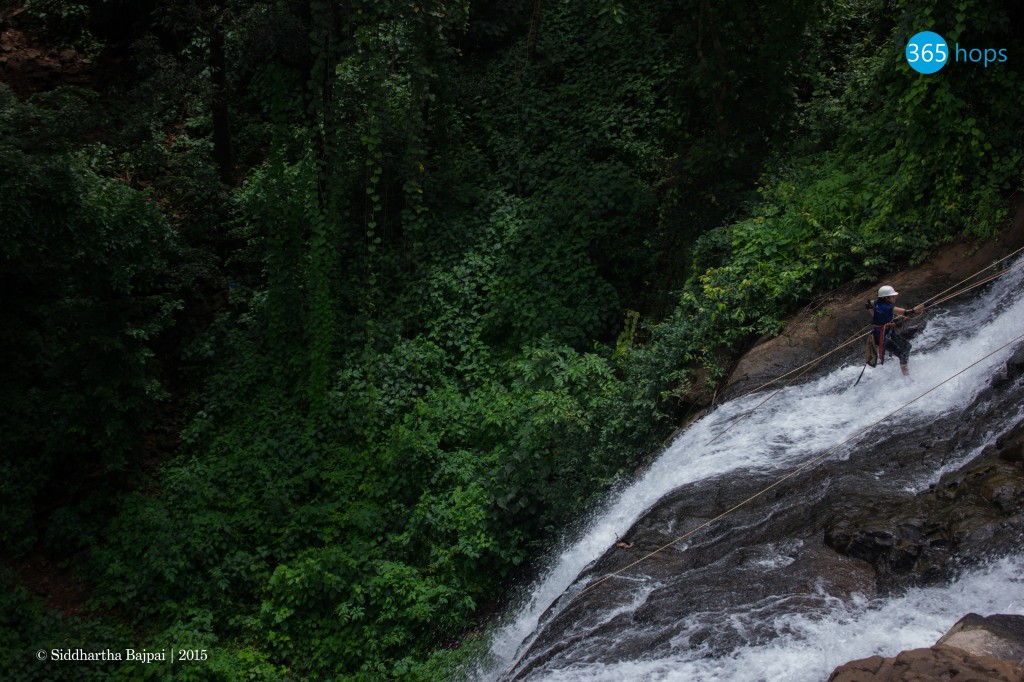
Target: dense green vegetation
[(424, 280)]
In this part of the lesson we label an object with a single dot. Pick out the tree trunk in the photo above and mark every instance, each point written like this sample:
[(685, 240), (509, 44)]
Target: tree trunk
[(219, 101)]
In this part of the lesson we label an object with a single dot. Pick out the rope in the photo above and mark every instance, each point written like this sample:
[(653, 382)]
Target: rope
[(981, 283), (783, 376), (791, 474), (806, 367), (928, 302)]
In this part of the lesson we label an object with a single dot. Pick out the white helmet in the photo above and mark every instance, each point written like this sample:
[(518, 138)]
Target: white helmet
[(887, 291)]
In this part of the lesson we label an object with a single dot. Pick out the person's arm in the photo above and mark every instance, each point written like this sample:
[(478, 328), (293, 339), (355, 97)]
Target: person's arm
[(917, 310)]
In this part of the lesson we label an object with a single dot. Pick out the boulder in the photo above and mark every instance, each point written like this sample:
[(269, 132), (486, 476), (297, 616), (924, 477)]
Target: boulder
[(1000, 636), (935, 664), (976, 648)]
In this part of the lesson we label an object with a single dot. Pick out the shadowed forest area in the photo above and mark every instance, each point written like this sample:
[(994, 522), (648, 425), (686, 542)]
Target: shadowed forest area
[(323, 321)]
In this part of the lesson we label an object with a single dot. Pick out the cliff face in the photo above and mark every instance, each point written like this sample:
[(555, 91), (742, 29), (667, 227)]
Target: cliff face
[(972, 513), (846, 530)]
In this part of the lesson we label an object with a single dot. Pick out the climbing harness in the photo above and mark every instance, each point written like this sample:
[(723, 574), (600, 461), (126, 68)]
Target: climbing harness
[(791, 474), (879, 332)]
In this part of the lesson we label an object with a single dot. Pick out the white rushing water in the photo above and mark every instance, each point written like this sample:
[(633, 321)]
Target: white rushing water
[(809, 646), (795, 426)]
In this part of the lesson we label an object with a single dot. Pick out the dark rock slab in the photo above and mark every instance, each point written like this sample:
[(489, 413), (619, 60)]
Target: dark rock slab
[(969, 515)]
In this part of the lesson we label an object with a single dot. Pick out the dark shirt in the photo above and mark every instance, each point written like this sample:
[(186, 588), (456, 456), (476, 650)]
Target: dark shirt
[(883, 313)]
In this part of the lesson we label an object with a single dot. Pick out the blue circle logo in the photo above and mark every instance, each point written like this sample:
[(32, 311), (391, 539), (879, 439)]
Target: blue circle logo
[(927, 52)]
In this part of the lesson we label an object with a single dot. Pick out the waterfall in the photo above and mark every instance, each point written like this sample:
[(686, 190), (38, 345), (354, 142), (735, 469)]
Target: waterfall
[(810, 645), (795, 426)]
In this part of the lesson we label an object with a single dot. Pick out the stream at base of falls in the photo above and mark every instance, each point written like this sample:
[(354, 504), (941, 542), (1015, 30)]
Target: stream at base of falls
[(761, 594)]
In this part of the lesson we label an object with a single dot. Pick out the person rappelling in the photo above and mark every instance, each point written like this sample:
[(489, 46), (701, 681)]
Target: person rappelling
[(884, 314)]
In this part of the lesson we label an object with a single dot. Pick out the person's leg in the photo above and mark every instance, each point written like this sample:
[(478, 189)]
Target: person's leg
[(900, 347)]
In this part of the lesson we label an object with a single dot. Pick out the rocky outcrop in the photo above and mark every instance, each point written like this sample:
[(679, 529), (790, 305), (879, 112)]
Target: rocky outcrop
[(999, 636), (925, 665), (970, 514), (976, 648)]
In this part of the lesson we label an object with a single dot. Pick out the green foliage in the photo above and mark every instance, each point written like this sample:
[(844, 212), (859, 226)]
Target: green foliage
[(86, 264), (375, 530), (333, 612), (897, 165), (66, 23), (473, 272), (27, 627)]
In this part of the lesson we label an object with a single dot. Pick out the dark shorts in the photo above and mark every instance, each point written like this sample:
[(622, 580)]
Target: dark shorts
[(898, 346)]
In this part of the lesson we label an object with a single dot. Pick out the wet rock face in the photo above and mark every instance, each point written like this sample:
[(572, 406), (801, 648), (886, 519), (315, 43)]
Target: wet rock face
[(970, 514), (893, 545), (976, 648)]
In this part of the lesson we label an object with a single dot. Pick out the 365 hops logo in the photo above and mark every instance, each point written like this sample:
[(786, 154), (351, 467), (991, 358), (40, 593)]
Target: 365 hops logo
[(927, 52)]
